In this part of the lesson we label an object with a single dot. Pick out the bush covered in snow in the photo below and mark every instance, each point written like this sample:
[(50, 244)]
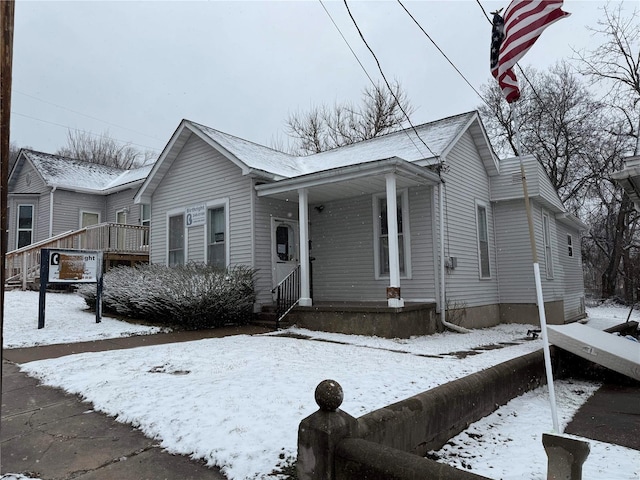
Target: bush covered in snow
[(192, 296)]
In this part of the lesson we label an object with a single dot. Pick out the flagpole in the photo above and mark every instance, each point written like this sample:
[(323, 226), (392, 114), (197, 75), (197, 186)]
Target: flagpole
[(536, 274)]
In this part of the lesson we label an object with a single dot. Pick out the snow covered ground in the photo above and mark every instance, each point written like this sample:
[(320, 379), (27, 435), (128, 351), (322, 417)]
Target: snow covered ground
[(237, 401), (67, 320)]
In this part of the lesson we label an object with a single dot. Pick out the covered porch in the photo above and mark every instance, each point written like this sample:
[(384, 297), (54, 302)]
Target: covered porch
[(339, 205)]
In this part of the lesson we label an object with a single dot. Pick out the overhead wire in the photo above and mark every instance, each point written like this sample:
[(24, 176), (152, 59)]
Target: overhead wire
[(386, 81), (84, 114), (363, 67), (442, 52), (155, 150)]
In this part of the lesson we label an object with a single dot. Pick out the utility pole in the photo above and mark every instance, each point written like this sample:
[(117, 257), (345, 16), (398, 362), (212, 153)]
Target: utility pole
[(7, 11)]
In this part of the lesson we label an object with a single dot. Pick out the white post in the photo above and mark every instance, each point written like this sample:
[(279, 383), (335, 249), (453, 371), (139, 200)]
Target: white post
[(394, 298), (303, 218)]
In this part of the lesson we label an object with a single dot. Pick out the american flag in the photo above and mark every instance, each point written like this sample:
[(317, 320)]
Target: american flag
[(513, 36)]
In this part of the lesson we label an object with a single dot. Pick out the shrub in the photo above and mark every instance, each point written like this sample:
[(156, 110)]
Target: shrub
[(192, 296)]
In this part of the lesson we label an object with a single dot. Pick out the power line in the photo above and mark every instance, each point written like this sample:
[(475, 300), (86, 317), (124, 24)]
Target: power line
[(83, 131), (348, 45), (364, 69), (84, 114), (386, 81), (442, 52)]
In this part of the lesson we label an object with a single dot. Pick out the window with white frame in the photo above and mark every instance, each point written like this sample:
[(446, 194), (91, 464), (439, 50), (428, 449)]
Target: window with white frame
[(546, 235), (176, 240), (25, 225), (381, 238), (217, 237), (570, 245), (484, 262)]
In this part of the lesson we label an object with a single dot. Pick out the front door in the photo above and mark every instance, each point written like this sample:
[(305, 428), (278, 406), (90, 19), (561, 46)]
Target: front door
[(284, 241), (121, 218)]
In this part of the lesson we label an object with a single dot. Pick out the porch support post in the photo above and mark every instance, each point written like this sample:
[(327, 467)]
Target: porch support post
[(394, 299), (303, 217)]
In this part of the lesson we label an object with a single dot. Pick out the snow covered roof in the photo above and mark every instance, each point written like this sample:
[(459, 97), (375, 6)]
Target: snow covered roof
[(72, 174), (429, 145), (431, 141)]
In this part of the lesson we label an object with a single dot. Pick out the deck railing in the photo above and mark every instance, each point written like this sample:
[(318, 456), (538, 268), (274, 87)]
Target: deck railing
[(23, 264), (287, 295)]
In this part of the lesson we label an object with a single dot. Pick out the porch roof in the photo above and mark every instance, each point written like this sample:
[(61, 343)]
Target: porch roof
[(350, 181), (629, 179)]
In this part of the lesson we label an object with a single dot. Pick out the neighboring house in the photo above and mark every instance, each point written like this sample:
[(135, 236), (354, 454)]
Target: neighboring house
[(629, 179), (457, 236), (50, 195)]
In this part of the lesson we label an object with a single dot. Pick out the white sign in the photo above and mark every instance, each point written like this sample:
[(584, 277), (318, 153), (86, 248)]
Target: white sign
[(196, 215), (71, 267)]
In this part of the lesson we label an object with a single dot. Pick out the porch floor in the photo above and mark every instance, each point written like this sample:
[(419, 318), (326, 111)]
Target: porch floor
[(367, 318)]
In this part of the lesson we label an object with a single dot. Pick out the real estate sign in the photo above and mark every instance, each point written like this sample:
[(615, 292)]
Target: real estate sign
[(73, 267), (66, 267)]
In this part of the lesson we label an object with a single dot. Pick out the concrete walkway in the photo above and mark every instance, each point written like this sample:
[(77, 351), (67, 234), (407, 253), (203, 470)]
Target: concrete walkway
[(49, 434)]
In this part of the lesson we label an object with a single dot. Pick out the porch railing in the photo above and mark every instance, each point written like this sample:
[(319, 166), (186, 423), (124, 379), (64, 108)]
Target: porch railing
[(23, 265), (287, 295)]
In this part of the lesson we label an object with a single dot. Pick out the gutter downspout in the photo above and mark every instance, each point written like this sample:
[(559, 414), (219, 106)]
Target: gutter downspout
[(51, 211), (443, 303)]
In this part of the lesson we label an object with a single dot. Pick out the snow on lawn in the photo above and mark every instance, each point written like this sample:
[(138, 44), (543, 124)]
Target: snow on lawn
[(512, 435), (67, 320), (237, 401)]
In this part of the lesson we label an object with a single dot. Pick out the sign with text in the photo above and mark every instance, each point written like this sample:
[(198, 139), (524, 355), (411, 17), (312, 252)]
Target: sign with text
[(73, 267), (70, 266), (196, 215)]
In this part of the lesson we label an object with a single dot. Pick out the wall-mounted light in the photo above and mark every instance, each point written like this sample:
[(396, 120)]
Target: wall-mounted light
[(319, 208)]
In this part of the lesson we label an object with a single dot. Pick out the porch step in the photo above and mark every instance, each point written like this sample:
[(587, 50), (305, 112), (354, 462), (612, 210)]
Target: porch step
[(267, 318)]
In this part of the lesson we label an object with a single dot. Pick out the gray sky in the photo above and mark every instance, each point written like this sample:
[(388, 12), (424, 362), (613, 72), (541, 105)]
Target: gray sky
[(137, 68)]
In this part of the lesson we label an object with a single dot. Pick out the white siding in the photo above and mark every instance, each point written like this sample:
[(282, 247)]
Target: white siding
[(198, 175), (68, 205), (342, 244), (266, 209), (20, 184), (517, 284), (119, 201), (467, 182), (573, 277)]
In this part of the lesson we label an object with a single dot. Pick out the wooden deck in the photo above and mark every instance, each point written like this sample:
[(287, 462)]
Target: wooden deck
[(121, 245)]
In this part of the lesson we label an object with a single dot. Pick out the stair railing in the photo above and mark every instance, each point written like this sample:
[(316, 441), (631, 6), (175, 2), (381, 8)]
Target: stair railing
[(287, 295)]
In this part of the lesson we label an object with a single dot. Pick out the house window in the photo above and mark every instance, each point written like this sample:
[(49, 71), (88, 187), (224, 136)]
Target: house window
[(483, 241), (216, 238), (546, 234), (89, 218), (25, 225), (145, 221), (570, 245), (381, 238), (176, 240)]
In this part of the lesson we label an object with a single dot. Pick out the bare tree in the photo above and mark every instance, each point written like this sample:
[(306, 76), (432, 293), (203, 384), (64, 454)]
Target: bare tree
[(559, 122), (103, 150), (615, 64), (323, 128)]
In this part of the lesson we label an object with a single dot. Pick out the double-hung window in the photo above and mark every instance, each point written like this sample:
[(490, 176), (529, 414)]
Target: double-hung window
[(25, 225), (176, 240), (381, 238), (217, 237), (570, 245), (483, 240)]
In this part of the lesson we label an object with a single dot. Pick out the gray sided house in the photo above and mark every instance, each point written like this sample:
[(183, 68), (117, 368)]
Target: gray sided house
[(50, 195), (402, 219)]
